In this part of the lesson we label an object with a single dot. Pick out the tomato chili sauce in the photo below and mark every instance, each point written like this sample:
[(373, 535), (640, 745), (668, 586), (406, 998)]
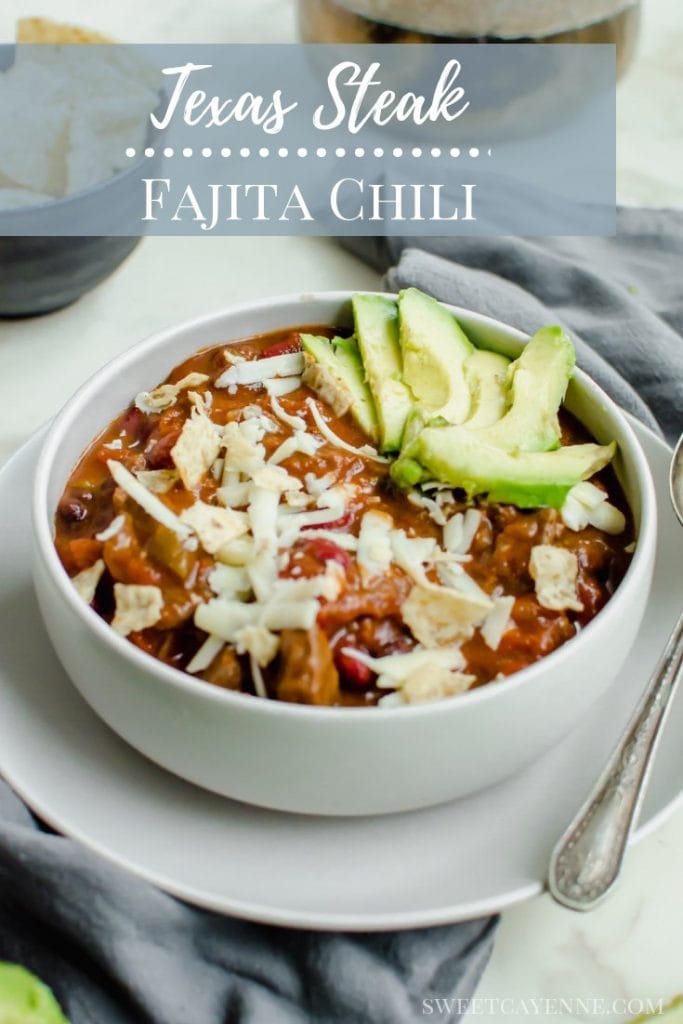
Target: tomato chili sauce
[(311, 667)]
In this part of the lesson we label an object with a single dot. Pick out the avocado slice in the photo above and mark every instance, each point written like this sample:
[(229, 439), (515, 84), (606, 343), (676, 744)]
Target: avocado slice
[(24, 999), (342, 372), (538, 383), (486, 374), (456, 456), (671, 1014), (376, 319), (434, 349)]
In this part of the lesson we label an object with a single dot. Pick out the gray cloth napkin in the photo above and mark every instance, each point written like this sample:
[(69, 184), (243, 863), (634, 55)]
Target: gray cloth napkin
[(621, 297), (115, 950)]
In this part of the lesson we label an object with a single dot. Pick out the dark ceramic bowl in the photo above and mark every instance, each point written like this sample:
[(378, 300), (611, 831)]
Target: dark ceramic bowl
[(42, 274), (43, 264)]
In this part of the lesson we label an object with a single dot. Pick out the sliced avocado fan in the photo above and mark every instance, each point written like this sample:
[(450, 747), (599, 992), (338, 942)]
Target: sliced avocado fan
[(456, 456), (486, 374), (435, 349), (463, 416), (538, 382), (376, 320), (336, 372), (24, 999)]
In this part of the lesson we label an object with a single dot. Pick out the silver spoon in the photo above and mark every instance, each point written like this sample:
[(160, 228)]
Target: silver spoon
[(587, 859)]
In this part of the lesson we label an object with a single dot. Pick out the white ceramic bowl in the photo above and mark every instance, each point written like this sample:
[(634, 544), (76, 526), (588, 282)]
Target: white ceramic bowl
[(325, 760)]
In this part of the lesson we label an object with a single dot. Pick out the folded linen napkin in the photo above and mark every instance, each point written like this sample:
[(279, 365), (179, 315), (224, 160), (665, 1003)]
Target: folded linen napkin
[(115, 950), (621, 297)]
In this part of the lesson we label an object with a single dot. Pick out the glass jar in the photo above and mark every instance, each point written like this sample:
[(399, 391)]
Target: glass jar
[(468, 21)]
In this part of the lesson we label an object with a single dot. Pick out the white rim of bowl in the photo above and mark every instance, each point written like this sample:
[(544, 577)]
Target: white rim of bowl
[(43, 524)]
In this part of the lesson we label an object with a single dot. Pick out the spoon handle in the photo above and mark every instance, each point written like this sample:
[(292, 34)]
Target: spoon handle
[(587, 859)]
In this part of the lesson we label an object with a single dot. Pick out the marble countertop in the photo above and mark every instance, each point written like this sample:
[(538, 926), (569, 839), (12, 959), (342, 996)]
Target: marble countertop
[(631, 946)]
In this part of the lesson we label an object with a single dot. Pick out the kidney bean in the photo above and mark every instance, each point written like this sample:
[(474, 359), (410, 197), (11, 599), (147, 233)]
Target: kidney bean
[(159, 455), (324, 550), (134, 423), (353, 672), (71, 510), (283, 347)]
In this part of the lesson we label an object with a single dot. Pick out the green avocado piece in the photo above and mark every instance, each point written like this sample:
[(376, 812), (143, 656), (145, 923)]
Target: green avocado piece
[(456, 456), (434, 349), (671, 1014), (486, 374), (343, 372), (376, 319), (24, 999), (538, 382)]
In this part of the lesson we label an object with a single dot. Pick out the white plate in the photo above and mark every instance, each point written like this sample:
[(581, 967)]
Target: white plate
[(462, 860)]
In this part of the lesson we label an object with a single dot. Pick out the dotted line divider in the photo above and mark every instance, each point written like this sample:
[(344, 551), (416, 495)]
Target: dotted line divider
[(416, 152)]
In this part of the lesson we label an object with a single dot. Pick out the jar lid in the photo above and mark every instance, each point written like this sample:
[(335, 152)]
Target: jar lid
[(501, 19)]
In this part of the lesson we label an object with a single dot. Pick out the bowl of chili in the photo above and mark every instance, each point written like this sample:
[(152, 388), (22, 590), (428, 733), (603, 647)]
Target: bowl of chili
[(309, 683)]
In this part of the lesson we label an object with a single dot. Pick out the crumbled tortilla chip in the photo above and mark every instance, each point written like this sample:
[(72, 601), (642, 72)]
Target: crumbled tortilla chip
[(137, 607), (196, 449), (44, 30), (438, 616), (86, 581), (555, 571), (215, 526)]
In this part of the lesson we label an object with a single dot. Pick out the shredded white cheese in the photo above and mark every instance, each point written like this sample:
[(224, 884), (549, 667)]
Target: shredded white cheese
[(137, 607), (393, 669), (374, 544), (295, 423), (212, 646), (460, 530), (232, 357), (262, 572), (152, 505), (315, 485), (366, 451), (608, 518), (235, 494), (237, 552), (283, 386), (229, 581), (255, 412), (256, 371), (429, 505), (554, 571), (224, 619), (294, 615), (257, 676), (111, 530), (243, 451), (259, 642), (275, 478), (86, 581), (298, 442), (262, 512), (587, 505), (497, 622), (452, 574), (412, 553)]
